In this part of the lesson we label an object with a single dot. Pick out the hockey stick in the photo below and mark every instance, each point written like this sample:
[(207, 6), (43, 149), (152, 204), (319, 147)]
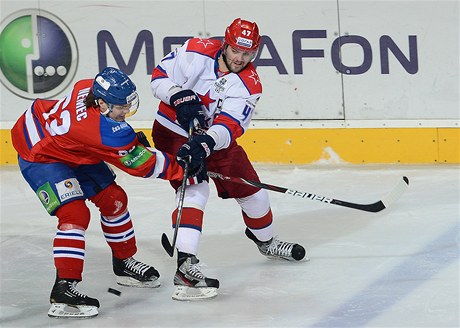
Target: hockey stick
[(392, 196), (169, 248)]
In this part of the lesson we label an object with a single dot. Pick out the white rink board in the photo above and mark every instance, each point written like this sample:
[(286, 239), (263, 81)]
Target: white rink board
[(296, 87), (432, 92), (315, 94)]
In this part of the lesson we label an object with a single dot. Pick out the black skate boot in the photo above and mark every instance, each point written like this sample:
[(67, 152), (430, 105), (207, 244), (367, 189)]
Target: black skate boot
[(133, 273), (190, 283), (275, 248), (67, 302)]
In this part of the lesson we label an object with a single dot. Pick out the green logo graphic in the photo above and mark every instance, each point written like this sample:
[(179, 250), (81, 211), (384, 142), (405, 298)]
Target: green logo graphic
[(48, 198), (136, 157), (38, 54)]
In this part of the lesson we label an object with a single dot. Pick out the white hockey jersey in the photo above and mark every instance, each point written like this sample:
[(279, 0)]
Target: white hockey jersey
[(228, 99)]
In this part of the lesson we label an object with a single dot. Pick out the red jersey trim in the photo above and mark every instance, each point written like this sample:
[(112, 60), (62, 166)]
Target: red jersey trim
[(251, 79), (206, 47), (158, 73)]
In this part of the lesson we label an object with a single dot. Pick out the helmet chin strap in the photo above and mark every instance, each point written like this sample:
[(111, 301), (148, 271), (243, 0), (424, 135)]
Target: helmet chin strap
[(108, 110)]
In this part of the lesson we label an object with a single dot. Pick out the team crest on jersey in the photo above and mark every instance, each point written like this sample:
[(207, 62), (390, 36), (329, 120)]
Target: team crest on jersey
[(219, 85), (68, 189)]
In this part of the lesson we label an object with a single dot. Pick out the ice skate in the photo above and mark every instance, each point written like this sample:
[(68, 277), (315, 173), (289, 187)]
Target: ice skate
[(133, 273), (191, 284), (67, 302), (277, 249)]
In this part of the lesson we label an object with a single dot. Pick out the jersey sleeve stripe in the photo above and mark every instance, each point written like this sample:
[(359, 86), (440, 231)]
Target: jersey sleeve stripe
[(33, 133), (165, 166), (161, 164), (26, 137), (223, 117), (159, 73)]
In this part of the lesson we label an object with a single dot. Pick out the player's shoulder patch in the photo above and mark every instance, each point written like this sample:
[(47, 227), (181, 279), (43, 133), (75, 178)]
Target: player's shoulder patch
[(251, 79), (207, 47)]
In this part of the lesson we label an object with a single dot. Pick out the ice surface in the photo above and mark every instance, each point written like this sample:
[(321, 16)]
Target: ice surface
[(395, 268)]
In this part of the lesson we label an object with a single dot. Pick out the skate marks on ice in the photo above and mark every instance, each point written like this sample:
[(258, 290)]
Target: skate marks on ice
[(412, 272), (398, 267)]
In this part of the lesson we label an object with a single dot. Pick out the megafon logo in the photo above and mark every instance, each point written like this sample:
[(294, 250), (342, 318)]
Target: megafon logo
[(38, 54)]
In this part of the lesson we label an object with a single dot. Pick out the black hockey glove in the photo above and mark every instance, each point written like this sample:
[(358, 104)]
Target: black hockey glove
[(198, 175), (188, 108), (195, 151), (143, 139)]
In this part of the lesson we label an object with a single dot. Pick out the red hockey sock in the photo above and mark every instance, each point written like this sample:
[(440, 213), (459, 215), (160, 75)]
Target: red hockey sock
[(258, 223), (69, 242), (116, 221), (191, 218)]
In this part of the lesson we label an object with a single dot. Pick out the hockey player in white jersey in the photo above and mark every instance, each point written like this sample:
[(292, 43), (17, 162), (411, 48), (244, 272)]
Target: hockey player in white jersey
[(214, 85)]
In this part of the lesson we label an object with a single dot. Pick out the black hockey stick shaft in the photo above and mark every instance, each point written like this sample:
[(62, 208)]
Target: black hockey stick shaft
[(397, 191), (169, 248)]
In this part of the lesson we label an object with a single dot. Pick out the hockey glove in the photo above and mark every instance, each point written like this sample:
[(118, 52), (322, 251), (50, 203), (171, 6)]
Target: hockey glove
[(198, 175), (188, 108), (195, 151), (143, 139)]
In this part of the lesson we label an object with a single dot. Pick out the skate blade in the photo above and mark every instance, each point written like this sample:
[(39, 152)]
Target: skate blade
[(290, 259), (185, 293), (131, 282), (61, 310)]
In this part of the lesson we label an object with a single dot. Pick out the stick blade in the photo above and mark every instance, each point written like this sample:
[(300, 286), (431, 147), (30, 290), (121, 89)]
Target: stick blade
[(167, 245), (397, 192), (380, 205)]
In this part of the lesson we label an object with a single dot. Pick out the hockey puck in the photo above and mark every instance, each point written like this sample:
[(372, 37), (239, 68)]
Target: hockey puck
[(114, 291), (298, 252)]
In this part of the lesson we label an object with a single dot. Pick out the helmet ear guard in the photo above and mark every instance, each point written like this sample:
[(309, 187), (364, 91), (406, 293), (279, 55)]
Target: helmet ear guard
[(115, 88)]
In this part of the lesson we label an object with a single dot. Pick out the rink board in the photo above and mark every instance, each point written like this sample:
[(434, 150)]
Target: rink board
[(335, 145)]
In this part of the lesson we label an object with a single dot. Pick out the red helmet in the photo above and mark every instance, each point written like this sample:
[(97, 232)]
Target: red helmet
[(243, 35)]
